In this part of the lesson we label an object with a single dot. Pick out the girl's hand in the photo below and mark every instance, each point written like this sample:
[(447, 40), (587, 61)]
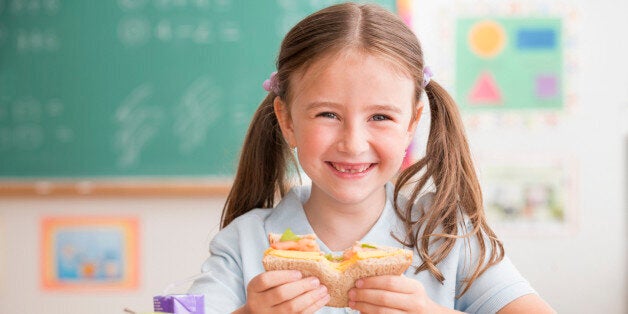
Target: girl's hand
[(284, 291), (391, 294)]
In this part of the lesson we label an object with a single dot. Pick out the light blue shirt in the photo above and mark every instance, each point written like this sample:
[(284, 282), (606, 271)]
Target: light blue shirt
[(236, 257)]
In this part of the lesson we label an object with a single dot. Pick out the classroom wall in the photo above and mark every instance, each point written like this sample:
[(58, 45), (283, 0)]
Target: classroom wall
[(174, 238), (582, 271)]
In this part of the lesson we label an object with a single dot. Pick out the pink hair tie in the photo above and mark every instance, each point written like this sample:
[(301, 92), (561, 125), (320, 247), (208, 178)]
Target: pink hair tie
[(427, 75), (270, 85)]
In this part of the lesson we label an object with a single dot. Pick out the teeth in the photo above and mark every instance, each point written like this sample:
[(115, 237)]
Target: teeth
[(350, 169)]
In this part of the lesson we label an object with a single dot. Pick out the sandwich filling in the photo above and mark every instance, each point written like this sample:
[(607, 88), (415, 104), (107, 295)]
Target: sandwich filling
[(289, 245)]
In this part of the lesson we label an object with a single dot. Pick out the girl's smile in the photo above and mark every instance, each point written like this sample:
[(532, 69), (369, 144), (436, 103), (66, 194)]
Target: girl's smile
[(351, 170)]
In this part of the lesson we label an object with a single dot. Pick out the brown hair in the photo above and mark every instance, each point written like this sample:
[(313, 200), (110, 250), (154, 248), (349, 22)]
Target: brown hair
[(263, 176)]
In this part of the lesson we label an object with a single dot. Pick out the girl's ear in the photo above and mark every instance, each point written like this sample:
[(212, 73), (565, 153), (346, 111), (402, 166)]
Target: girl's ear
[(414, 123), (285, 121)]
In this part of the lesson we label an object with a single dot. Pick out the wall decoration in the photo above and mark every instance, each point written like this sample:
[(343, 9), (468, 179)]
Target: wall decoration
[(508, 64), (531, 195), (404, 10), (89, 253)]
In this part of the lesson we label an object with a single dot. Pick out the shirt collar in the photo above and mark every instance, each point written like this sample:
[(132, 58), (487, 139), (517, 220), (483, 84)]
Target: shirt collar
[(289, 213)]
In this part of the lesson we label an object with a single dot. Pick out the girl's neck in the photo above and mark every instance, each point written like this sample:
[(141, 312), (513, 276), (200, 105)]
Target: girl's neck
[(340, 225)]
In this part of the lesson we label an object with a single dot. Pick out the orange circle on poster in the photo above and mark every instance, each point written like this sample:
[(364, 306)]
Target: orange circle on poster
[(487, 39)]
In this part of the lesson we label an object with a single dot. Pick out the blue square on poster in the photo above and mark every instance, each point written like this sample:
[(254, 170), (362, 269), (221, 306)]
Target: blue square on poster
[(536, 38)]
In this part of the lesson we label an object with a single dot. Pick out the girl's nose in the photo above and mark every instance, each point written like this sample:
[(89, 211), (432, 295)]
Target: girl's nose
[(354, 139)]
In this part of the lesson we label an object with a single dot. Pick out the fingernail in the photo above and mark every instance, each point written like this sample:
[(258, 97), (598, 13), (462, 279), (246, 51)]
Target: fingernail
[(314, 282), (322, 290), (351, 294), (359, 283), (297, 274), (351, 304)]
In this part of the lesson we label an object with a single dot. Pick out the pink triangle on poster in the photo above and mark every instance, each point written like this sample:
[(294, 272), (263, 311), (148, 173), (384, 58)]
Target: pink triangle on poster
[(485, 90)]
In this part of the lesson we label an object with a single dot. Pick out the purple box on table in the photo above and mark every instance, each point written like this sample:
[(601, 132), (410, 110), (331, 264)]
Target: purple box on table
[(179, 303)]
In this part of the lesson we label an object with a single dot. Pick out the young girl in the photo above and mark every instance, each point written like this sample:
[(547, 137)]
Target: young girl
[(345, 98)]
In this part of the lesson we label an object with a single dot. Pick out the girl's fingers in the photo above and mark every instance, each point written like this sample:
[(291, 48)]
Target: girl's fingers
[(308, 302), (318, 304), (400, 284), (380, 298), (364, 307), (294, 289), (272, 279), (391, 292)]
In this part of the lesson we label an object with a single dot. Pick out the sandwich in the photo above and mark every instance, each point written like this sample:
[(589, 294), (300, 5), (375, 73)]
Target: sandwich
[(289, 251)]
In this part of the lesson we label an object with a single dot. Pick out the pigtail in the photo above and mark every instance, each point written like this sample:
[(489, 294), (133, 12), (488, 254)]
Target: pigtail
[(262, 168), (448, 165)]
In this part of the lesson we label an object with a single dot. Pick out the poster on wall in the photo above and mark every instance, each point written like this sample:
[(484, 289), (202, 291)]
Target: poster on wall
[(509, 63), (531, 196), (515, 62), (89, 253)]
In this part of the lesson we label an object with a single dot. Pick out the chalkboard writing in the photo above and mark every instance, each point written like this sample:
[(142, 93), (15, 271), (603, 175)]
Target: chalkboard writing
[(138, 88)]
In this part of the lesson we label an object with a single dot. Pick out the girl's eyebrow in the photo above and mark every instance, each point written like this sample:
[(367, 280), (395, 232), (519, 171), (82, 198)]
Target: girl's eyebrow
[(374, 107), (318, 104), (387, 108)]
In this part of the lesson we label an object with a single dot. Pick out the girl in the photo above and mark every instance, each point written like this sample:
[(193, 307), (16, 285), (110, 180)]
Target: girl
[(346, 98)]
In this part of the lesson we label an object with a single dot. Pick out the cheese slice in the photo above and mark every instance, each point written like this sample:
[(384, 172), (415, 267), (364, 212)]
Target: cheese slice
[(339, 265), (295, 254)]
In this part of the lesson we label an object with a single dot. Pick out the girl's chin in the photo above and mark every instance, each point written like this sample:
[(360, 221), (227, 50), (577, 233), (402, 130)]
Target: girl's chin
[(353, 196)]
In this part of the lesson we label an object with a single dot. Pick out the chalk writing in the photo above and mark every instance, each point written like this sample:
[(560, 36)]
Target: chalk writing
[(129, 5), (137, 31), (28, 136), (23, 126), (27, 109), (134, 31), (34, 7), (36, 40), (209, 26), (170, 5), (54, 108), (138, 123), (64, 134), (197, 111)]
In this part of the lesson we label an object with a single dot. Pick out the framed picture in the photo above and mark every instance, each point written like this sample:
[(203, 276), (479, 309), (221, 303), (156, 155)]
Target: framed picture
[(89, 253), (531, 195)]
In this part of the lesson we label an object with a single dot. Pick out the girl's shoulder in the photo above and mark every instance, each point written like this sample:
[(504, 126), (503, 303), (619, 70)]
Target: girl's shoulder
[(248, 226), (255, 222)]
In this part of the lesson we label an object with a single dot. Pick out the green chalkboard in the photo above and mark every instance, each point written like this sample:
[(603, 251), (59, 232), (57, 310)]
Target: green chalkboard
[(134, 88)]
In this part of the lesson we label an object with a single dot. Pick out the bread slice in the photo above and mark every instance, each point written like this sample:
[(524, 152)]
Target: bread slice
[(340, 276)]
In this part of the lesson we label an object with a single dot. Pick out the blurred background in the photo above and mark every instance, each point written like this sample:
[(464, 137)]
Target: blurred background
[(120, 124)]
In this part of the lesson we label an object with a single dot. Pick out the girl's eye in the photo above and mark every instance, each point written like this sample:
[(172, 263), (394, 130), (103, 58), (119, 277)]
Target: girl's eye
[(329, 115), (380, 117)]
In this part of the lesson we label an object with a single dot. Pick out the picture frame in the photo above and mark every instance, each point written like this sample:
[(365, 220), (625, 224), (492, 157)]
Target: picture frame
[(531, 195), (80, 253)]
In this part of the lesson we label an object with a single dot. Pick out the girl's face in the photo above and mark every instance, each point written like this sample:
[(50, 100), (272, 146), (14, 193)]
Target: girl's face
[(351, 120)]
